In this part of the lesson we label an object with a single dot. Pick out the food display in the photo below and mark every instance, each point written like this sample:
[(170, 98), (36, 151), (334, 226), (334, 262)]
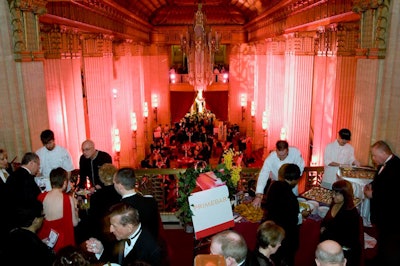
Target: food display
[(323, 195), (357, 172), (319, 194), (249, 212)]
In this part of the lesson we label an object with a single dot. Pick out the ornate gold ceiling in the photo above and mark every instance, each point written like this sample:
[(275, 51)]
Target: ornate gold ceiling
[(162, 21), (180, 12)]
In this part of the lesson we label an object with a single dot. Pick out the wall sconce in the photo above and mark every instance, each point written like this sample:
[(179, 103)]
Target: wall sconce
[(225, 77), (172, 77), (154, 104), (133, 128), (283, 133), (115, 93), (243, 101), (133, 122), (264, 121), (264, 127), (145, 111), (253, 109), (117, 145)]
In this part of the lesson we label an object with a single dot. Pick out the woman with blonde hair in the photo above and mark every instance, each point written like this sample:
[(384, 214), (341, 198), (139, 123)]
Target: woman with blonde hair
[(101, 201), (269, 239)]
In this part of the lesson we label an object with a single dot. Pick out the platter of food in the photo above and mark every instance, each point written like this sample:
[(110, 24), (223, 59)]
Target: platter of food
[(249, 212), (319, 194), (357, 172), (322, 195)]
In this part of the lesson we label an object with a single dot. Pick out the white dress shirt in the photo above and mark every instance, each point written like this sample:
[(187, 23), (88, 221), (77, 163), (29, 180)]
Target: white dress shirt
[(4, 175), (271, 167), (58, 157), (133, 237)]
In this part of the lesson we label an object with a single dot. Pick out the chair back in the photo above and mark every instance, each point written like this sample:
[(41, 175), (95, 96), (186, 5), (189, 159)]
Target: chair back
[(209, 260)]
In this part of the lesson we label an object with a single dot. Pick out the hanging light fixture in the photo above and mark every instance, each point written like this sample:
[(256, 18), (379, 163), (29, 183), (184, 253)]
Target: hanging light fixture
[(200, 44)]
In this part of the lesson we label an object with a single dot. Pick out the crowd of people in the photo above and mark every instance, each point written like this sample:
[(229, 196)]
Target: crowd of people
[(48, 227), (193, 138), (123, 226)]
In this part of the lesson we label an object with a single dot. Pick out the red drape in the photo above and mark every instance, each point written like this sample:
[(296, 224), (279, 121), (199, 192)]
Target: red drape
[(217, 103), (181, 101)]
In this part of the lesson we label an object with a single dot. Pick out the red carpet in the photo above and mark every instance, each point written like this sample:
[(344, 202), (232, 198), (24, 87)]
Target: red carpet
[(180, 246)]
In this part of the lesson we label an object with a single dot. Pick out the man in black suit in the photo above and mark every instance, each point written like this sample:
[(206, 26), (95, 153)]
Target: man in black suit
[(383, 193), (135, 243), (90, 162), (22, 190), (124, 183), (24, 247)]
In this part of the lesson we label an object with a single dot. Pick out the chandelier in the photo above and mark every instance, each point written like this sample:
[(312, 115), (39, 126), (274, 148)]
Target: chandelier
[(200, 44)]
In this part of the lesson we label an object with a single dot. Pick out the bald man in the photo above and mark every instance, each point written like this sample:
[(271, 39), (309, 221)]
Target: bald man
[(232, 246), (329, 253), (90, 162)]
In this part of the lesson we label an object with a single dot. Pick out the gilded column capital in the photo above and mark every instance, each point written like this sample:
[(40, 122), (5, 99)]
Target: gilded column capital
[(34, 6), (276, 46), (60, 42), (347, 38), (137, 49), (25, 29), (97, 45), (261, 48), (122, 47), (300, 43), (374, 27)]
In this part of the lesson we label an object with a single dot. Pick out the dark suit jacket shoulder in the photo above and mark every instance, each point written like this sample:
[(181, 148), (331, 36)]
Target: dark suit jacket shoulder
[(148, 212), (385, 188), (22, 188), (146, 249)]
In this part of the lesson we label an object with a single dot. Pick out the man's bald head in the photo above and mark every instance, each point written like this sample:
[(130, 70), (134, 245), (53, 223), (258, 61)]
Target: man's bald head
[(330, 253)]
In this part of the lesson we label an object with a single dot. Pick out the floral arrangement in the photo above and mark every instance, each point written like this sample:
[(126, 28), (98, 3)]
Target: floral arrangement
[(228, 171), (232, 162)]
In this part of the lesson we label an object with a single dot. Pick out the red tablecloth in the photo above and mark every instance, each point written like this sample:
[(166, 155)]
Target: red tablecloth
[(185, 161)]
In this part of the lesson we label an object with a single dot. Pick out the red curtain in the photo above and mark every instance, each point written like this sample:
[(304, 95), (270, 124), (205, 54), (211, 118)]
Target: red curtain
[(217, 103), (181, 101)]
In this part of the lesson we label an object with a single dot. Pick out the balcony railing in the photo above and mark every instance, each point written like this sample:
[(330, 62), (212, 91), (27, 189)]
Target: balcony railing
[(184, 78)]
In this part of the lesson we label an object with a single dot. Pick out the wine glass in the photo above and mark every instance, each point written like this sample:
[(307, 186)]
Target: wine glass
[(42, 185)]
